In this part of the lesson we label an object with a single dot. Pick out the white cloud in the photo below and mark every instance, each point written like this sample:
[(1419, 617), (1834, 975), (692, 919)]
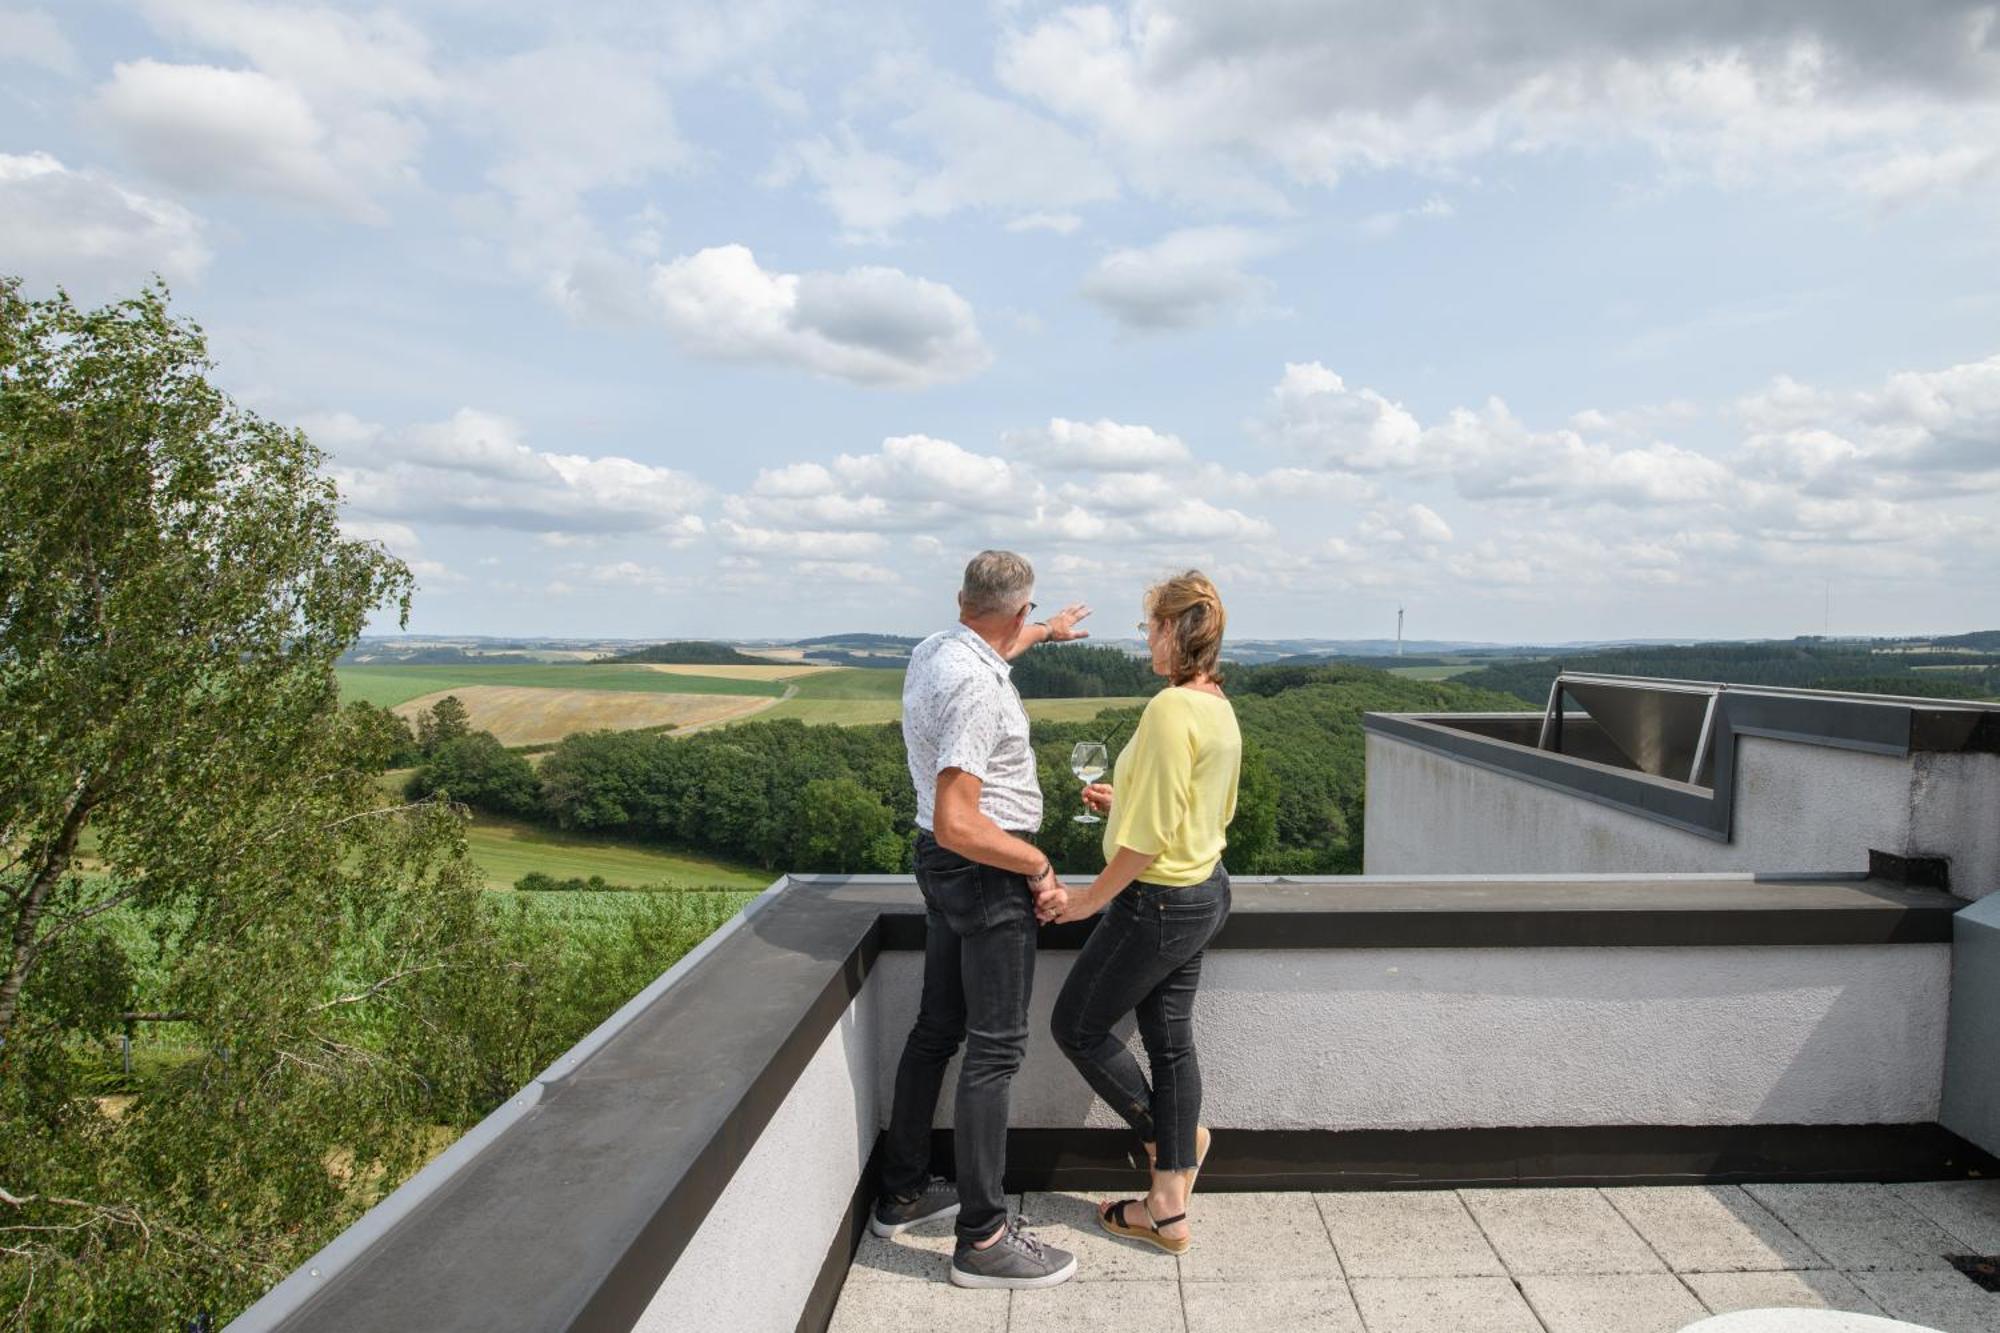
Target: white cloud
[(475, 470), (85, 230), (957, 149), (206, 129), (1311, 410), (1185, 279), (1858, 97), (31, 37), (1098, 446), (799, 544), (873, 325)]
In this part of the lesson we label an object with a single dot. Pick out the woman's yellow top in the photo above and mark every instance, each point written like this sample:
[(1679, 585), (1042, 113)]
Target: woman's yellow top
[(1174, 786)]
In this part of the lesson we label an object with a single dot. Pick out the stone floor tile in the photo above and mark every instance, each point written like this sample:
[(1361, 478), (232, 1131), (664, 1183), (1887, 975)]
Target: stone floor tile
[(907, 1307), (1262, 1307), (923, 1253), (1947, 1300), (1094, 1307), (1437, 1304), (1257, 1238), (1069, 1221), (1559, 1231), (1711, 1229), (1968, 1209), (1858, 1226), (1612, 1302), (1407, 1233), (1820, 1289)]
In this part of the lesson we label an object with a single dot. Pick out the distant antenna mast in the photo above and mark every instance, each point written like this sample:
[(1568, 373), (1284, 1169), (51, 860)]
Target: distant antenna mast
[(1399, 631)]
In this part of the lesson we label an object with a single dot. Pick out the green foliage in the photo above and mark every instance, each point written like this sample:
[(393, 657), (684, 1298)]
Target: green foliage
[(842, 826), (1083, 671), (386, 741), (479, 771), (1801, 664), (443, 722), (174, 592), (693, 652)]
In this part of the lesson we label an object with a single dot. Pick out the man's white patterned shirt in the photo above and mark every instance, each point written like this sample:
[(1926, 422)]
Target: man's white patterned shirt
[(961, 710)]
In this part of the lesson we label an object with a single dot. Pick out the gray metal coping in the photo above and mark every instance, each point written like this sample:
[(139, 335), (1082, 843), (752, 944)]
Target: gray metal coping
[(1870, 724), (567, 1207)]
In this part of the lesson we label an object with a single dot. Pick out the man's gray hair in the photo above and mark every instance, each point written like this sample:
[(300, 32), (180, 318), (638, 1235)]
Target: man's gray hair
[(995, 582)]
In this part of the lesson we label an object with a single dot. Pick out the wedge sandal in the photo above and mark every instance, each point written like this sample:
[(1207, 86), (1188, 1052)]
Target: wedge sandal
[(1112, 1218)]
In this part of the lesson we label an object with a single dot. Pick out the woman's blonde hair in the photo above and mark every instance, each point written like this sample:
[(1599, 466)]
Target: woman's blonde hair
[(1191, 609)]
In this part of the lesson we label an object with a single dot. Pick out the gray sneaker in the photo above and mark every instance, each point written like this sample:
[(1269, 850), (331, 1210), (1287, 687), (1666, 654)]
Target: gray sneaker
[(1017, 1259), (894, 1215)]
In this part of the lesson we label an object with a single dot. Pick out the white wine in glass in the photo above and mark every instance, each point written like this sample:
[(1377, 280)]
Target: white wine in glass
[(1088, 762)]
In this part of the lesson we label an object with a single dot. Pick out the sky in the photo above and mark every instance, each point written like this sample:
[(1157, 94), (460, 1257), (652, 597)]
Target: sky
[(1545, 321)]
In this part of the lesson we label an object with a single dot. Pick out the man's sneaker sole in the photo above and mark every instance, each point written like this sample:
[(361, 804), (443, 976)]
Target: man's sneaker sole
[(888, 1229), (961, 1278)]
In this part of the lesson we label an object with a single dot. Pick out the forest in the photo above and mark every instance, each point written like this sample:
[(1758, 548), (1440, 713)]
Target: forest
[(1971, 673)]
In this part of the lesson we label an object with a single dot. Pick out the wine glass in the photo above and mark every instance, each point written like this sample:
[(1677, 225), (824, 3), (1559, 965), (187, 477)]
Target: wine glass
[(1088, 762)]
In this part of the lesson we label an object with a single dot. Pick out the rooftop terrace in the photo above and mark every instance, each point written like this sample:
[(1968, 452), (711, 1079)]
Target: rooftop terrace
[(1616, 1074)]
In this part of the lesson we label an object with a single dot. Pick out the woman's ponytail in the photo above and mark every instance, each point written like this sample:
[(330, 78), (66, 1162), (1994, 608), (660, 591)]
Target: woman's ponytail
[(1191, 610)]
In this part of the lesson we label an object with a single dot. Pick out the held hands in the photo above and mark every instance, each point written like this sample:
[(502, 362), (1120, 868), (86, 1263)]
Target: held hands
[(1098, 797), (1081, 905), (1051, 900)]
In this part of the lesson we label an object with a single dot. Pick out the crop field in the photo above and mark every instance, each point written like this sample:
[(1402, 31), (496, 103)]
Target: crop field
[(743, 670), (389, 686), (528, 715)]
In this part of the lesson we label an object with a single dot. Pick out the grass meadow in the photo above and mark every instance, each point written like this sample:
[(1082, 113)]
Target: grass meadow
[(387, 686)]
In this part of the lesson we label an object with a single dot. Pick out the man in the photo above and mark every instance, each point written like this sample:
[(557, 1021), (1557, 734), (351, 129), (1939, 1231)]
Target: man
[(984, 886)]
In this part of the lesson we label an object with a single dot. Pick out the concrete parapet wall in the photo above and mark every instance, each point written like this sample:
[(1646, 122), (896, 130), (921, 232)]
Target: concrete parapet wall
[(1798, 808), (1459, 1038), (1972, 1061), (754, 1259)]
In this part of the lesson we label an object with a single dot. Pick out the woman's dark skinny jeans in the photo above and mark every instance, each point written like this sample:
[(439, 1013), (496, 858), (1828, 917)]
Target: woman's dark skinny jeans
[(1145, 955)]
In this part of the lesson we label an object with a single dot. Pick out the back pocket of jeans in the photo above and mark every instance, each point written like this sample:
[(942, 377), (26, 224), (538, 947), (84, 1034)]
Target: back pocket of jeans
[(957, 892)]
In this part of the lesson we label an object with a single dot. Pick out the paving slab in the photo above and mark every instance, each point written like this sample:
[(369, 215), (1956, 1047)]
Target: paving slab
[(1859, 1227), (1948, 1300), (1258, 1238), (1260, 1307), (1968, 1209), (1407, 1233), (1711, 1229), (1820, 1289), (1442, 1305), (1559, 1231), (1095, 1307), (1069, 1221), (1612, 1302), (921, 1254), (870, 1307)]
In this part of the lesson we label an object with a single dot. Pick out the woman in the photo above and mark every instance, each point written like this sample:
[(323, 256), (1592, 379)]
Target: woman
[(1172, 795)]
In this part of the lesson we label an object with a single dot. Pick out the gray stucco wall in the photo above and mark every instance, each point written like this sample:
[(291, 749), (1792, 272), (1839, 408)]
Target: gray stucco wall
[(1451, 1038), (1972, 1055), (754, 1259), (1799, 808)]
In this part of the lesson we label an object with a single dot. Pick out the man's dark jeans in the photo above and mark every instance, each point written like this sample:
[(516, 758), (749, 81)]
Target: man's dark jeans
[(1145, 954), (979, 963)]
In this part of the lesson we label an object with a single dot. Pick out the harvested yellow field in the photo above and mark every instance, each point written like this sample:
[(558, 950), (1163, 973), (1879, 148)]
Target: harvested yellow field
[(776, 654), (742, 670), (531, 715)]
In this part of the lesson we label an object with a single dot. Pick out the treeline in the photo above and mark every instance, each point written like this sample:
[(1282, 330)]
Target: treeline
[(692, 652), (1083, 671), (1798, 665), (787, 796)]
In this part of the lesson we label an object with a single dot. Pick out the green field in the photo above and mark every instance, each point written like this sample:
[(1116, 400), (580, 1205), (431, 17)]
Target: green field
[(505, 850), (388, 686), (852, 696)]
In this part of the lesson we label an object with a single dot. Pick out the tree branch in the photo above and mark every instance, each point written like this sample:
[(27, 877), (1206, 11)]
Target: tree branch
[(57, 931), (379, 986)]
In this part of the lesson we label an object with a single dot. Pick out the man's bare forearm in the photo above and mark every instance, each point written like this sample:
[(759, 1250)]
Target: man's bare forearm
[(976, 837)]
